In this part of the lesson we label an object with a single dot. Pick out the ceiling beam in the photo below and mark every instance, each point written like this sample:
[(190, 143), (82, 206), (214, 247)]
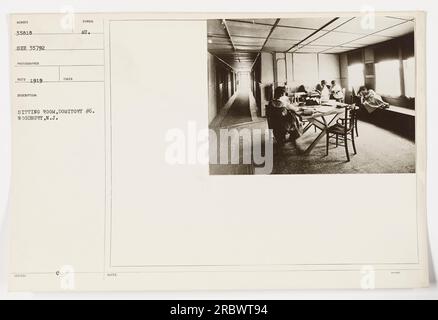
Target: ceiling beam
[(270, 24), (229, 34), (327, 33), (367, 35), (266, 40), (255, 60), (269, 34), (312, 34), (251, 22), (224, 62)]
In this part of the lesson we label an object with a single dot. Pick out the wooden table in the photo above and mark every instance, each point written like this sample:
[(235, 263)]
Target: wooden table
[(323, 117)]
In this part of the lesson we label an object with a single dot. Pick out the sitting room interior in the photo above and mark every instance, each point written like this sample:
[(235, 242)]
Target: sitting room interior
[(249, 59)]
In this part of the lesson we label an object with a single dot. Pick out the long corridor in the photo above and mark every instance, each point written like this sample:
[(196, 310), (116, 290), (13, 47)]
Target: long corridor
[(239, 111)]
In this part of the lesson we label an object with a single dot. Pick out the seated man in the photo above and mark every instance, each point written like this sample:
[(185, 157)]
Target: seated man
[(282, 117), (323, 90), (336, 92), (371, 100), (300, 94), (302, 89)]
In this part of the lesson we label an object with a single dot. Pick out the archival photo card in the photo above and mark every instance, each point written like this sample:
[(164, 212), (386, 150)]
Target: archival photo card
[(218, 151), (314, 95)]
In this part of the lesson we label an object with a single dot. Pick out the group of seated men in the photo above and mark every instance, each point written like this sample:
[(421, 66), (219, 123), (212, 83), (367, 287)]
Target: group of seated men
[(289, 125), (291, 122), (325, 91)]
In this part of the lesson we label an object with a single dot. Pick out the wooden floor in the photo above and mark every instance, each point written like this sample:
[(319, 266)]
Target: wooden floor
[(379, 151), (239, 111)]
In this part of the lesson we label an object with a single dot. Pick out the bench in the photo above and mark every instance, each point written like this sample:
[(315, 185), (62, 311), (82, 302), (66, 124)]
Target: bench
[(396, 119)]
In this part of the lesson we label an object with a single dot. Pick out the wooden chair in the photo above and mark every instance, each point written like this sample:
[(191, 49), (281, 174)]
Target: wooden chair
[(343, 129), (276, 120), (356, 100)]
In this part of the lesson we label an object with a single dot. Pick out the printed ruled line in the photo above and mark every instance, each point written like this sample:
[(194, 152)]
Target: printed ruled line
[(218, 271), (73, 81), (75, 49), (58, 65), (66, 49), (57, 81), (64, 34)]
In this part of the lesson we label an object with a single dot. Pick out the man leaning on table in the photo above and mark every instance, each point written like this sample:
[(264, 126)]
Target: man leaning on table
[(291, 123), (336, 91)]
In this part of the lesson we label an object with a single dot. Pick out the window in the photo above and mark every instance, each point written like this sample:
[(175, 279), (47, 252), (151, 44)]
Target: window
[(409, 77), (356, 76), (281, 71), (388, 78)]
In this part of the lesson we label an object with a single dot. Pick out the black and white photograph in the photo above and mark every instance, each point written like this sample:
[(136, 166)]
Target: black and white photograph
[(314, 95), (230, 152)]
